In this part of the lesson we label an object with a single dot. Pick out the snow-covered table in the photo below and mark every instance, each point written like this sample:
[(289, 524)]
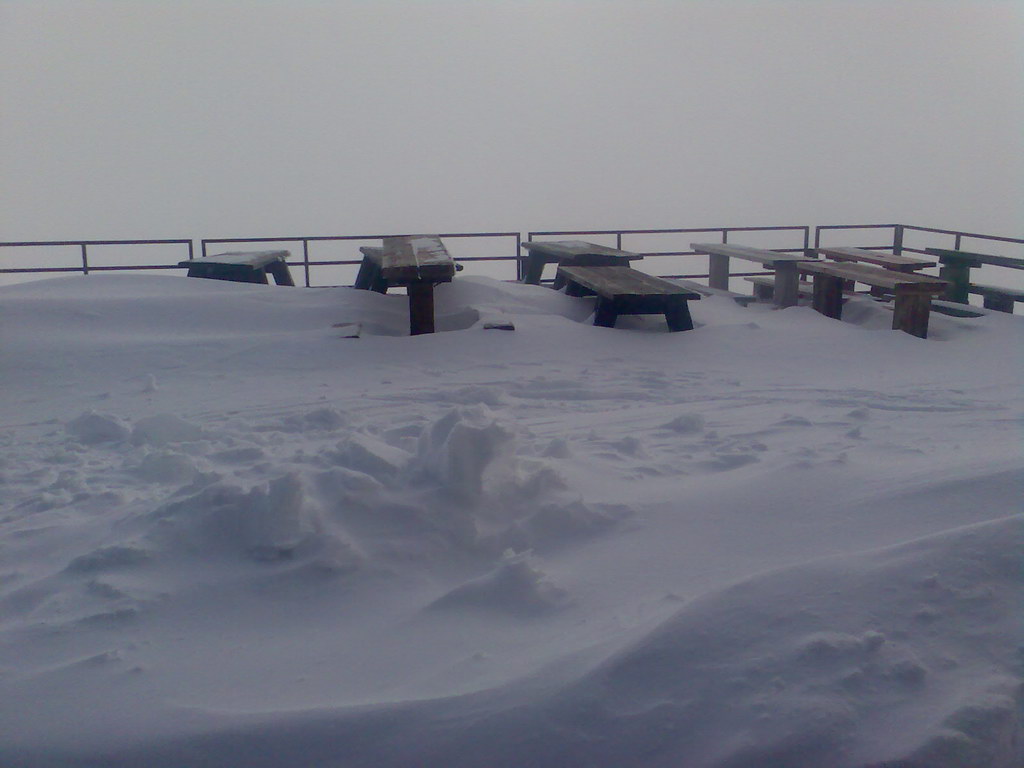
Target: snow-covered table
[(956, 269), (416, 263), (784, 264), (571, 253), (242, 267)]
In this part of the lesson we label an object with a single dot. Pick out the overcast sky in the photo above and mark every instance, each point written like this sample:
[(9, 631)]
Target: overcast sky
[(178, 118)]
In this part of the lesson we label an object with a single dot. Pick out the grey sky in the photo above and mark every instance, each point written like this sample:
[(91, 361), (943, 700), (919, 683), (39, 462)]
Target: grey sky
[(192, 119)]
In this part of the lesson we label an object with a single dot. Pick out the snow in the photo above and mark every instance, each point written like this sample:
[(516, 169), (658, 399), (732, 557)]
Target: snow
[(231, 534)]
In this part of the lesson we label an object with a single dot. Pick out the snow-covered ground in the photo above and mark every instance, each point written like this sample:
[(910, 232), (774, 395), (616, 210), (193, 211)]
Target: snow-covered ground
[(231, 536)]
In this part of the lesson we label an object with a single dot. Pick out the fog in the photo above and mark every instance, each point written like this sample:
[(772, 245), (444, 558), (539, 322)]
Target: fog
[(228, 119)]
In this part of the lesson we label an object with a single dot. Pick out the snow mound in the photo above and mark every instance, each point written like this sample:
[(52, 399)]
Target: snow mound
[(92, 428), (517, 586)]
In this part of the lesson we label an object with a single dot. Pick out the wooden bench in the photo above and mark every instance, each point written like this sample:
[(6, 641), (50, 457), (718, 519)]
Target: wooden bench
[(913, 292), (626, 291), (996, 297), (242, 267), (570, 253), (764, 287), (784, 265), (416, 263), (956, 269)]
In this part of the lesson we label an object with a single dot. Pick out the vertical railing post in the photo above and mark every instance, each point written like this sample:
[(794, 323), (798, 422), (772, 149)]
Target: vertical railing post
[(85, 261), (897, 240), (305, 260), (519, 260), (618, 240), (956, 243), (190, 250)]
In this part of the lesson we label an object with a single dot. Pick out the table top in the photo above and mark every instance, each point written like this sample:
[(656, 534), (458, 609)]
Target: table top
[(255, 259), (888, 260), (410, 259), (975, 259), (745, 252), (567, 248)]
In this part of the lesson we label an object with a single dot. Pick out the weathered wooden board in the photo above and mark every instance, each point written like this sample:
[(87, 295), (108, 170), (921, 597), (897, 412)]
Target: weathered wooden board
[(947, 256), (899, 263), (875, 276), (570, 253), (241, 266)]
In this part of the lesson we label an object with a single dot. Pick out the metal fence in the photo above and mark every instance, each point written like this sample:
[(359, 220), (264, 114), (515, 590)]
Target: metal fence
[(667, 252)]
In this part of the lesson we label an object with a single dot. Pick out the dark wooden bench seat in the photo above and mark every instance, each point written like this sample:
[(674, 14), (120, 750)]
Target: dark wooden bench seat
[(913, 292), (416, 263), (996, 297), (241, 267), (626, 291), (570, 253)]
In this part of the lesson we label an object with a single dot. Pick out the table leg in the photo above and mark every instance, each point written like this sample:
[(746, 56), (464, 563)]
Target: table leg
[(718, 271), (281, 274), (677, 314), (605, 313), (910, 313), (828, 296), (421, 308), (534, 269), (959, 277), (786, 284)]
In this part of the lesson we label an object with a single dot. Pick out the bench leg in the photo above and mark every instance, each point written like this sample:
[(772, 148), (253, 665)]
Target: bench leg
[(367, 270), (998, 303), (559, 283), (787, 289), (534, 269), (764, 292), (828, 296), (959, 277), (280, 273), (718, 271), (421, 308), (677, 315), (606, 313), (910, 313)]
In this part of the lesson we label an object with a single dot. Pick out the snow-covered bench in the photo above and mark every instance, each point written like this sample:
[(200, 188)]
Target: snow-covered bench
[(626, 291), (416, 263), (913, 292), (242, 267), (956, 268)]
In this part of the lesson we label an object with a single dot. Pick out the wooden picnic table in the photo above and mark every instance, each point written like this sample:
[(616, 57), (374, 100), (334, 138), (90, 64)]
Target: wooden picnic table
[(784, 265), (241, 267), (571, 253), (626, 291), (956, 269), (898, 263), (415, 262)]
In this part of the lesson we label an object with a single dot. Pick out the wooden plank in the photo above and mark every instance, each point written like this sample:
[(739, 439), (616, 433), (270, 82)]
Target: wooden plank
[(888, 260), (875, 276), (1016, 294), (760, 255), (414, 259), (975, 259), (560, 249), (619, 281), (911, 312), (255, 259)]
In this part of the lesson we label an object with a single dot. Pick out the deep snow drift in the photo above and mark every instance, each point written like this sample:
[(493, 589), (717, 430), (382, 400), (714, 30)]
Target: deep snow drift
[(230, 535)]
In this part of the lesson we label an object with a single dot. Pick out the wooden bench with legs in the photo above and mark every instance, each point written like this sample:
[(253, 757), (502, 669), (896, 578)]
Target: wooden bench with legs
[(913, 292), (784, 265), (895, 262), (242, 267), (625, 291), (956, 269), (570, 253), (416, 263)]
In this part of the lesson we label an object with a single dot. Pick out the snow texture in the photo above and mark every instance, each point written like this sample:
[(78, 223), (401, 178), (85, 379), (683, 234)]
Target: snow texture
[(233, 532)]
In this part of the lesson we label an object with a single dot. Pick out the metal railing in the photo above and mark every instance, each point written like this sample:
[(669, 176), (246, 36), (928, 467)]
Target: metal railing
[(307, 263), (899, 235), (85, 267)]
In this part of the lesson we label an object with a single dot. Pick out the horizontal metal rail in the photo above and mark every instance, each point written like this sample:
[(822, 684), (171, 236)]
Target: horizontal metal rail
[(83, 245)]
